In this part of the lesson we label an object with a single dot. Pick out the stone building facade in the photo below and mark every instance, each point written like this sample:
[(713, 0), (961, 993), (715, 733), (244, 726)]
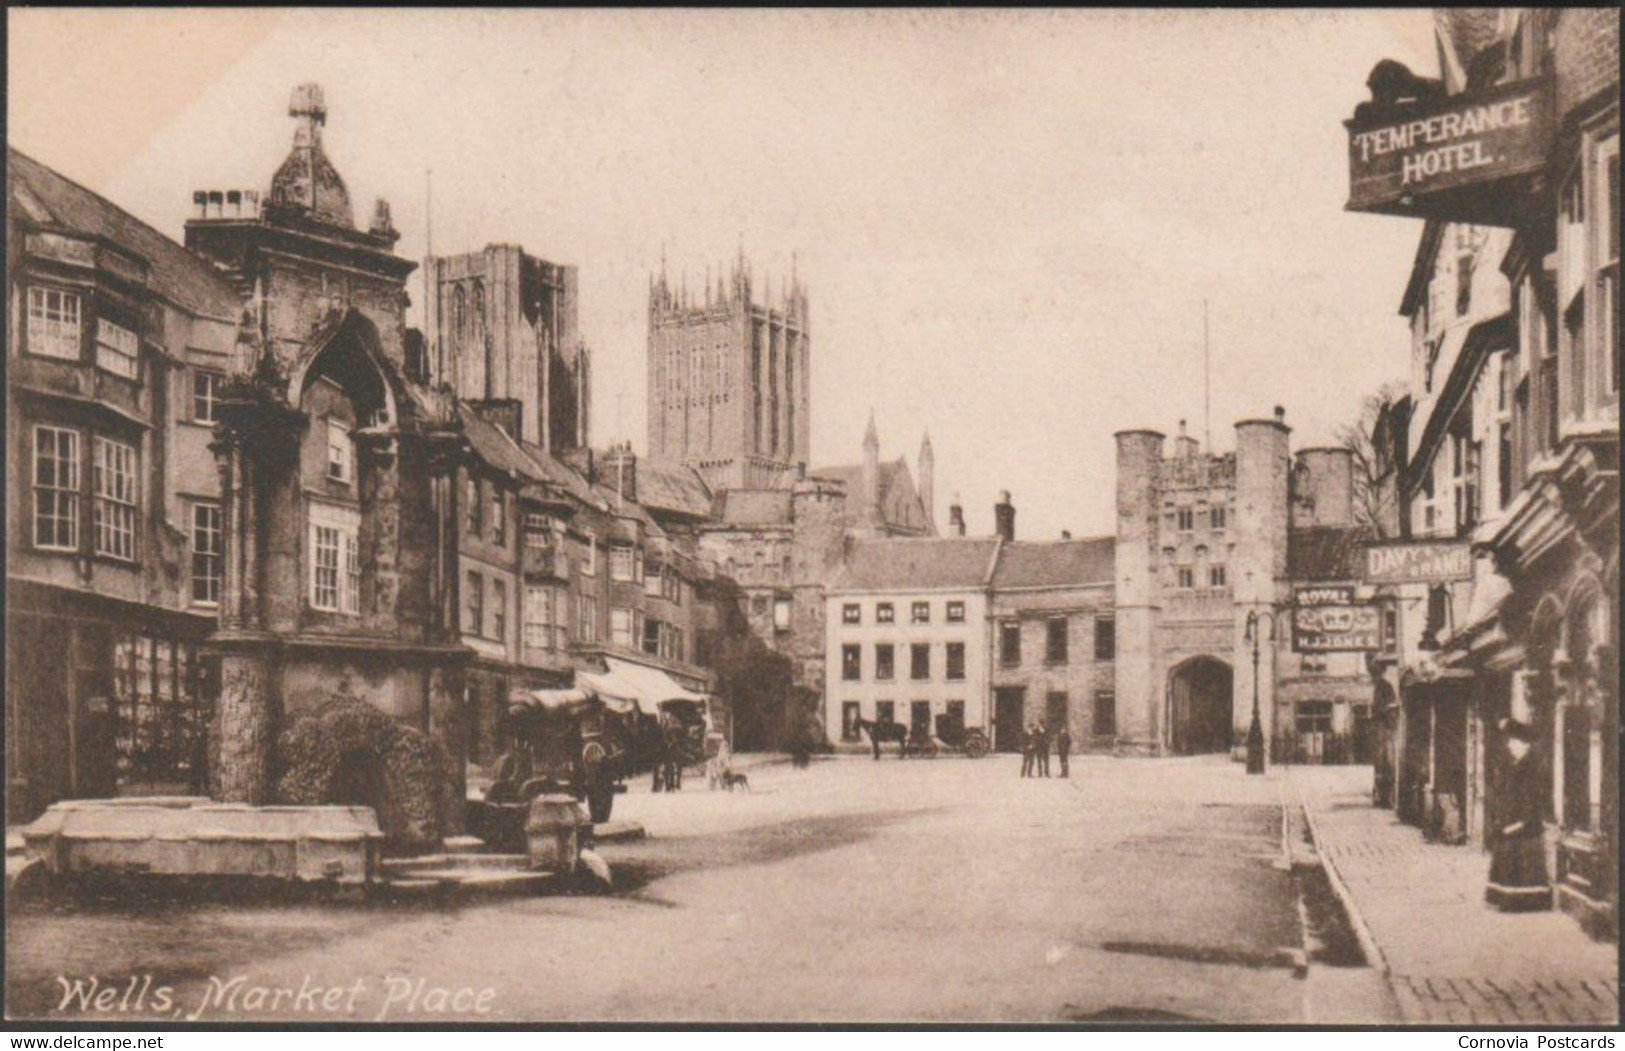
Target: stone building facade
[(119, 340), (502, 328), (1206, 543), (1518, 456), (729, 389), (1054, 641)]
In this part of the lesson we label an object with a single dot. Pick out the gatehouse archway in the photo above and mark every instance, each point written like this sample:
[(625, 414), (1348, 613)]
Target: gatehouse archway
[(1200, 710)]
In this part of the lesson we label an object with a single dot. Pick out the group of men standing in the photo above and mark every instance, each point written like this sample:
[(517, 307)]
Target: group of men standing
[(1035, 749)]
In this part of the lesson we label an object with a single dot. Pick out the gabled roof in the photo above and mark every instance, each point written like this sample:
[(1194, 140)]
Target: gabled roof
[(1326, 552), (896, 484), (185, 279), (917, 563), (1056, 563)]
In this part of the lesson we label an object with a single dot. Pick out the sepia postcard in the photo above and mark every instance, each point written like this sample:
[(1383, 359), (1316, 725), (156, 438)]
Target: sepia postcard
[(905, 517)]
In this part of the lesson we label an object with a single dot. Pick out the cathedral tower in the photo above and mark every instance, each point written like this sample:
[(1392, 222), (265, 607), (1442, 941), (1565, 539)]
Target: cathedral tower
[(728, 378)]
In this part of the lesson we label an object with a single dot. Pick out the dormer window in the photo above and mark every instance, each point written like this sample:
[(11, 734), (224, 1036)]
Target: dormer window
[(118, 350), (53, 324), (340, 453)]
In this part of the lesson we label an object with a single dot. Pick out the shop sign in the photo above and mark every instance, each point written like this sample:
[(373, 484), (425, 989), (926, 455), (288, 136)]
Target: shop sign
[(1419, 562), (1464, 140), (1329, 620)]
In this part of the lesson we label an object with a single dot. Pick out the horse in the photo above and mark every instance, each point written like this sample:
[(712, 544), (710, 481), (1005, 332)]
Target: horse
[(889, 732)]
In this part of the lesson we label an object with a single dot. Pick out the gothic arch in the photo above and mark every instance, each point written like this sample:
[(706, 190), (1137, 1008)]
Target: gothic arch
[(1201, 708), (350, 354)]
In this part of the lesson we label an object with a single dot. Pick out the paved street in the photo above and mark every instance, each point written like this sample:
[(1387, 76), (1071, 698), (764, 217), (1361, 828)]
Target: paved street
[(945, 890), (1452, 958)]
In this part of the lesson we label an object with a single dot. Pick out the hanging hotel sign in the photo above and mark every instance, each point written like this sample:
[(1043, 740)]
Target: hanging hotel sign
[(1400, 155), (1419, 562), (1329, 620)]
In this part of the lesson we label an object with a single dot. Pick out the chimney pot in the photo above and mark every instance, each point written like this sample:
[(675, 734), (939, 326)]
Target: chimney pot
[(1280, 412)]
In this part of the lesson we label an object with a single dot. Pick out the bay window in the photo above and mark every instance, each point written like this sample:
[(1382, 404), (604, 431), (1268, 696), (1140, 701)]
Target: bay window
[(118, 350), (115, 490), (53, 324), (56, 488)]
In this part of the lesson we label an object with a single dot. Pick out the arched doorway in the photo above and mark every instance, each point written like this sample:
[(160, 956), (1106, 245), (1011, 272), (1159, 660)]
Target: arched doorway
[(1200, 715)]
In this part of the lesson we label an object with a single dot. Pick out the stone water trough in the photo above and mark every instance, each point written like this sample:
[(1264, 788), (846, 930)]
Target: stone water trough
[(140, 840)]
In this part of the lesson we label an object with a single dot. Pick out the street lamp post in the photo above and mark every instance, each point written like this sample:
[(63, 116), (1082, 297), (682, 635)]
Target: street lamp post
[(1255, 732)]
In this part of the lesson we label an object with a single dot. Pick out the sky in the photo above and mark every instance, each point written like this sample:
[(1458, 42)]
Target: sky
[(1008, 221)]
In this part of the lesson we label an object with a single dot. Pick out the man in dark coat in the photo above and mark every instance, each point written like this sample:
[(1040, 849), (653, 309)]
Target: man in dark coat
[(1518, 881), (1063, 748), (1029, 750), (1041, 747)]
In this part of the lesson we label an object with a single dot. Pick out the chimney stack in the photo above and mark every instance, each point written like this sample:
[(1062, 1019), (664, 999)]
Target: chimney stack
[(956, 518), (1004, 517)]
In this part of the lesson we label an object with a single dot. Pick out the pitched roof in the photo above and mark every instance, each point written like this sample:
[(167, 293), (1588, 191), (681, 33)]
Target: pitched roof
[(917, 562), (1326, 552), (186, 279), (894, 474), (673, 487), (1056, 563), (493, 445)]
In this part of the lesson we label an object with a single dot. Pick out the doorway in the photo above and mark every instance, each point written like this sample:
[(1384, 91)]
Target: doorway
[(1009, 708), (1202, 716)]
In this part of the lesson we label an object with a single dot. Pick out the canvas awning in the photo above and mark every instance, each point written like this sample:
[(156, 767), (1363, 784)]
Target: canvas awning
[(647, 688), (561, 701)]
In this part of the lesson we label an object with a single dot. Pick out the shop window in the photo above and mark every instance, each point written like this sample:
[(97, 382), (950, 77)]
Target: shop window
[(56, 488), (208, 554), (1312, 720), (53, 324), (115, 506)]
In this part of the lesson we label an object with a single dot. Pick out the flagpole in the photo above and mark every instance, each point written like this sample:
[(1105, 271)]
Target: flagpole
[(1207, 384)]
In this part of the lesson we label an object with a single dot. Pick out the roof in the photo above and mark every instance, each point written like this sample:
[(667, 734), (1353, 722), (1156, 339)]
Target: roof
[(895, 480), (492, 444), (673, 487), (180, 276), (917, 563), (754, 507), (1056, 563), (1326, 552)]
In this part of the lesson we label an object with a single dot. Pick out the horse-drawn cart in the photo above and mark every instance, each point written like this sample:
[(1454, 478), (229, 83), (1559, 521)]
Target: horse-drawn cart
[(951, 736)]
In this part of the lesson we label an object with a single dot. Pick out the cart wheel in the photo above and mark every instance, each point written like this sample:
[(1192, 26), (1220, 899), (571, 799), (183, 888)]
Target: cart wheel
[(976, 745), (930, 750)]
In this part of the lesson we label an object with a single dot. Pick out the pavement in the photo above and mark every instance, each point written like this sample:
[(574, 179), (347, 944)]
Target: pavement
[(1450, 958), (948, 890)]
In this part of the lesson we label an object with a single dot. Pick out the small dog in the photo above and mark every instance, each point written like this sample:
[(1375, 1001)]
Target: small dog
[(731, 780)]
